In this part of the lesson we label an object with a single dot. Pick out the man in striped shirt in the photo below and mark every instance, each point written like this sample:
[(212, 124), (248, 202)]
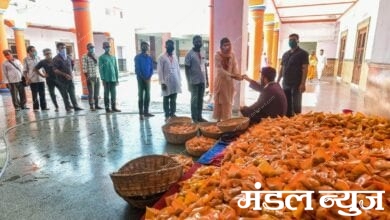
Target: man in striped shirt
[(90, 69)]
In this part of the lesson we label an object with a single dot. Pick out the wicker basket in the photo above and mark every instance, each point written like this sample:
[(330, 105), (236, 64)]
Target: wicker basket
[(209, 134), (146, 176), (234, 124), (179, 119), (175, 138), (199, 152)]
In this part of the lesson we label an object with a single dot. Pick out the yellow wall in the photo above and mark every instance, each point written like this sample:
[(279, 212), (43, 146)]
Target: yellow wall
[(347, 72), (377, 95)]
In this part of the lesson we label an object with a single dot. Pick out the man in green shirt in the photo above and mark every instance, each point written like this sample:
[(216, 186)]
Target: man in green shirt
[(108, 69)]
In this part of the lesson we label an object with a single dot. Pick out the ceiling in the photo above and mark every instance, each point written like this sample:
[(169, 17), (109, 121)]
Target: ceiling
[(302, 11)]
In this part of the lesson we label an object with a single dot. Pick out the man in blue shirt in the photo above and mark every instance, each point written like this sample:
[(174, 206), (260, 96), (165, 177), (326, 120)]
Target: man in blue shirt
[(144, 71)]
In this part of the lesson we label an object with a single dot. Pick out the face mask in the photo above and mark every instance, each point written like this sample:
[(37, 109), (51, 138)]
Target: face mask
[(170, 50), (62, 52), (91, 50), (35, 53), (292, 44), (107, 49), (8, 57)]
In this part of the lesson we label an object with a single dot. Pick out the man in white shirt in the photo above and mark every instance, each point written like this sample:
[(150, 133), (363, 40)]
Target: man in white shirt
[(169, 76), (322, 62), (12, 75), (35, 78)]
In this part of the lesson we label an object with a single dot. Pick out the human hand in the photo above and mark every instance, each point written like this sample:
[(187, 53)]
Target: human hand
[(68, 77), (302, 88), (163, 87), (236, 77), (246, 77)]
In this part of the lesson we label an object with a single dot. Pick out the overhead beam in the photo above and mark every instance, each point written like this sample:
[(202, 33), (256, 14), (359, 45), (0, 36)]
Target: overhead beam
[(310, 21), (298, 16), (349, 8), (311, 5)]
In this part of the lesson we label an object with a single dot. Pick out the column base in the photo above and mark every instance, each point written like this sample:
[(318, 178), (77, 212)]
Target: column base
[(4, 90)]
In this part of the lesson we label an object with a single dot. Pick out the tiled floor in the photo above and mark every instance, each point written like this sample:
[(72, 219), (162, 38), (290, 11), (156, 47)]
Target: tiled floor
[(59, 164)]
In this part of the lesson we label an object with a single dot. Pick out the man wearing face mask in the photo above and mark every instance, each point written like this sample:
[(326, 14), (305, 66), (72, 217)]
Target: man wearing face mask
[(272, 101), (144, 71), (35, 78), (12, 76), (294, 69), (195, 69), (169, 76), (62, 65), (45, 68), (90, 67), (109, 74)]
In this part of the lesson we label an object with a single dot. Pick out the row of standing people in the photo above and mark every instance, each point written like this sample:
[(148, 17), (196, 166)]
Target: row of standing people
[(58, 72), (293, 69), (170, 79)]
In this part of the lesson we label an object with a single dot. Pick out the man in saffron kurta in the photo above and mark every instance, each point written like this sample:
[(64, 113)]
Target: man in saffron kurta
[(169, 76), (225, 72), (272, 101)]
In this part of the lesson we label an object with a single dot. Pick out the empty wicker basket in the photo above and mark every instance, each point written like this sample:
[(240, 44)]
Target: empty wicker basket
[(139, 180), (183, 132)]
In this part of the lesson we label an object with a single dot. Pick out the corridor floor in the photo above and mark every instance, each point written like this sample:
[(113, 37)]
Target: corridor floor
[(59, 164)]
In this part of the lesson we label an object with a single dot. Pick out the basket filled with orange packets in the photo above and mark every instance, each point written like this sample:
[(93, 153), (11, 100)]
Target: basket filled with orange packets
[(199, 145), (180, 132)]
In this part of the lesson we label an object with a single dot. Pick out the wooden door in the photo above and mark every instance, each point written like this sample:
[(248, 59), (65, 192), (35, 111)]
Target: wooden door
[(343, 42), (359, 54)]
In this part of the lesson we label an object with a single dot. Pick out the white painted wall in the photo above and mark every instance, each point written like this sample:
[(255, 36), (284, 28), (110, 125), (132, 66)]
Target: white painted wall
[(381, 46), (362, 10), (325, 34), (42, 39)]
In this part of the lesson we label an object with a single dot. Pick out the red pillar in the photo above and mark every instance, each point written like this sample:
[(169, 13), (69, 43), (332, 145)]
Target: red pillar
[(84, 34), (211, 48)]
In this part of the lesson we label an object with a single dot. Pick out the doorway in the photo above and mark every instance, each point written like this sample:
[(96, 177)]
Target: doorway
[(308, 46), (359, 53), (152, 49), (343, 42)]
